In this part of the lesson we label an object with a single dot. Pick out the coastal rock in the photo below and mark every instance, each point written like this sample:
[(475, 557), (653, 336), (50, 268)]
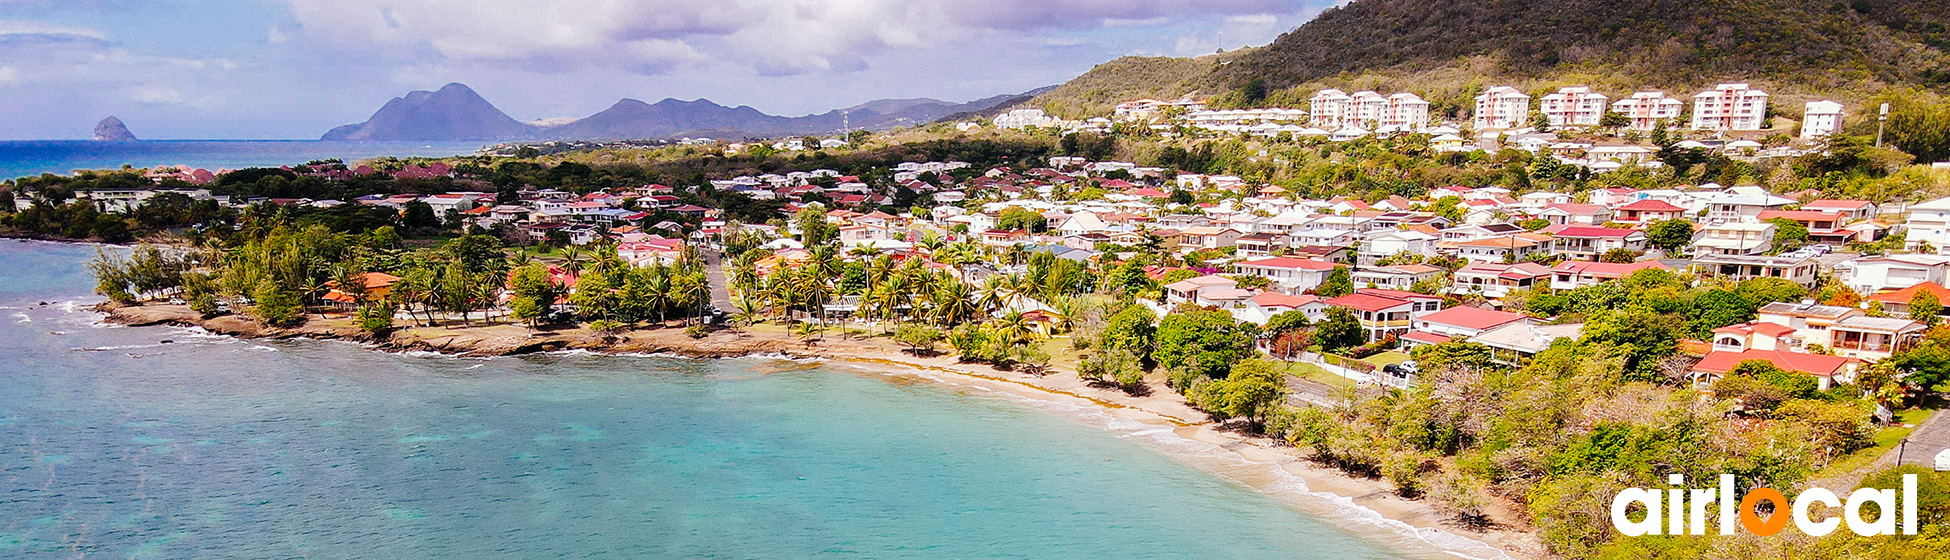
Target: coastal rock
[(112, 130)]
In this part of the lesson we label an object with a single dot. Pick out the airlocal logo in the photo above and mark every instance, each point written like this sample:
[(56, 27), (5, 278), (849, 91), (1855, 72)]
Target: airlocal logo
[(1679, 511)]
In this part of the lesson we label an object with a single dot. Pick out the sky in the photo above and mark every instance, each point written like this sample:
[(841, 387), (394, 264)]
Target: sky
[(291, 69)]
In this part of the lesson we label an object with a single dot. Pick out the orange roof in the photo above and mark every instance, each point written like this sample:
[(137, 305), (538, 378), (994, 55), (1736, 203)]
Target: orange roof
[(1801, 215), (1365, 302), (1903, 296), (1472, 318), (1813, 364)]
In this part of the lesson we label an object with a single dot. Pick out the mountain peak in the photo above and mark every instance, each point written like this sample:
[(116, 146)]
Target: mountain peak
[(111, 129), (454, 112)]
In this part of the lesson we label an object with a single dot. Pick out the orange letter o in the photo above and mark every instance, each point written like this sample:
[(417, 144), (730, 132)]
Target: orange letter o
[(1753, 522)]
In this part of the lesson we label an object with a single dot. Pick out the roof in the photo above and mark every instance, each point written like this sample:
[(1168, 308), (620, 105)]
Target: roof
[(1833, 203), (1652, 205), (1756, 327), (1807, 309), (1425, 337), (1877, 324), (1801, 215), (1526, 337), (1365, 302), (1290, 262), (1593, 231), (1472, 317), (1605, 269), (1903, 296), (1512, 271), (1396, 294), (1276, 299), (1814, 364)]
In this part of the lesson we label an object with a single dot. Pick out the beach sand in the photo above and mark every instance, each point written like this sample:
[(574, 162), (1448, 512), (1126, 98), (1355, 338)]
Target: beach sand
[(1162, 418)]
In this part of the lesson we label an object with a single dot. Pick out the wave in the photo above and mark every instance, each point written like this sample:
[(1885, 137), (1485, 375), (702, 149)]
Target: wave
[(22, 318)]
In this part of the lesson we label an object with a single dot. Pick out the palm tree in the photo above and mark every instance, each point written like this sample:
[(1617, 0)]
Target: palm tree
[(1013, 327), (954, 303), (816, 288)]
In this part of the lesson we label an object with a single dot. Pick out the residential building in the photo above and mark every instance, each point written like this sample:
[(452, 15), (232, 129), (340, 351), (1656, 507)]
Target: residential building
[(1739, 268), (1647, 211), (1023, 118), (1396, 242), (1896, 302), (1826, 369), (1514, 344), (1571, 275), (1852, 210), (1406, 112), (1821, 119), (1741, 204), (1735, 238), (1824, 227), (1188, 289), (1502, 107), (1929, 223), (1574, 106), (1645, 109), (1379, 316), (1873, 338), (1575, 214), (1587, 243), (1730, 107), (1465, 322), (1495, 280), (1397, 277), (1506, 248), (1870, 275), (1288, 274), (1330, 108)]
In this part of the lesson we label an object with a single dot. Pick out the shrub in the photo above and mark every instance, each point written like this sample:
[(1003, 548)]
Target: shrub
[(695, 331)]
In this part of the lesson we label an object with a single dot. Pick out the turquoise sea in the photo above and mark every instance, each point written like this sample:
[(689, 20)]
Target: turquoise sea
[(155, 442), (34, 157)]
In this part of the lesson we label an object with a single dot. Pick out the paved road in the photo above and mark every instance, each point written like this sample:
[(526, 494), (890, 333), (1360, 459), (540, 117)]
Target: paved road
[(714, 273), (1930, 438)]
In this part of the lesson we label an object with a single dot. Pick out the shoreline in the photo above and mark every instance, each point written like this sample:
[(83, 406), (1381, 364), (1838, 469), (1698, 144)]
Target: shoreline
[(1161, 419)]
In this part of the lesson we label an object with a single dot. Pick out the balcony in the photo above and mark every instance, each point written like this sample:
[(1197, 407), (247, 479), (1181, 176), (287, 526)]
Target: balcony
[(1399, 324)]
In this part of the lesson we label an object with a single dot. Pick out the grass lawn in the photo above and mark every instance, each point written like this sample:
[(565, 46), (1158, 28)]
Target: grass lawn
[(1060, 354), (1314, 373), (1386, 358)]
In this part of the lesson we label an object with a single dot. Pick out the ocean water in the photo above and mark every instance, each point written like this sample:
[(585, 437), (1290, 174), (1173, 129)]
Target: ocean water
[(34, 157), (114, 444)]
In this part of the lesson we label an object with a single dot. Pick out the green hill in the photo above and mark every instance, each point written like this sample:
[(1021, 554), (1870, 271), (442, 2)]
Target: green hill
[(1446, 50)]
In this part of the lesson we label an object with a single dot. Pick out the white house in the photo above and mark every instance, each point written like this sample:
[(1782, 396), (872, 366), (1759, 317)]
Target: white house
[(1821, 119), (1869, 275), (1730, 107), (1929, 222), (1287, 274)]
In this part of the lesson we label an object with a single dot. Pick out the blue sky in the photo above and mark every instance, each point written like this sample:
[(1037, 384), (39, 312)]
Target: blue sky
[(294, 68)]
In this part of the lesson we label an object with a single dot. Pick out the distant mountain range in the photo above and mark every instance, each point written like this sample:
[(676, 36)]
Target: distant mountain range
[(455, 112)]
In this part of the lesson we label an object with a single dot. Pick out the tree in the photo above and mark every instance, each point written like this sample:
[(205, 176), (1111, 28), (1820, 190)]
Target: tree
[(812, 227), (920, 339), (1789, 234), (1718, 308), (276, 306), (1339, 282), (1619, 255), (419, 215), (1202, 343), (1614, 120), (1340, 330), (1249, 391), (1763, 291), (532, 293), (1132, 329), (1670, 235), (1019, 218), (1286, 321), (1924, 308), (376, 318)]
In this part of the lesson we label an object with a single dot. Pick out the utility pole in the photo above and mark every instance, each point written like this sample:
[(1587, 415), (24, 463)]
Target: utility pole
[(1880, 120)]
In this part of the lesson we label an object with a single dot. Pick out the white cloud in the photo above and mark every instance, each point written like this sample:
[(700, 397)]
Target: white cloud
[(9, 75), (20, 27), (772, 37)]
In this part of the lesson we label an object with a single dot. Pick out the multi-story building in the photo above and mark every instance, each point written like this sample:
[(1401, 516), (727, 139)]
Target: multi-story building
[(1574, 106), (1365, 110), (1330, 108), (1821, 119), (1406, 111), (1730, 107), (1646, 108), (1929, 224), (1502, 107)]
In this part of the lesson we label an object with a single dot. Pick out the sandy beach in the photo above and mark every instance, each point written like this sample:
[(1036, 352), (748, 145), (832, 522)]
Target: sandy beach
[(1162, 419)]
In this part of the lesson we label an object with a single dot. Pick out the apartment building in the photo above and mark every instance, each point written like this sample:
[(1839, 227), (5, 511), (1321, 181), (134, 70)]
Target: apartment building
[(1821, 119), (1330, 108), (1406, 111), (1646, 108), (1502, 107), (1730, 107), (1574, 106)]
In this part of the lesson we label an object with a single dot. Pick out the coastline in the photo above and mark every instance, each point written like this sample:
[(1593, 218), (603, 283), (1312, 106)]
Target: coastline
[(1161, 418)]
